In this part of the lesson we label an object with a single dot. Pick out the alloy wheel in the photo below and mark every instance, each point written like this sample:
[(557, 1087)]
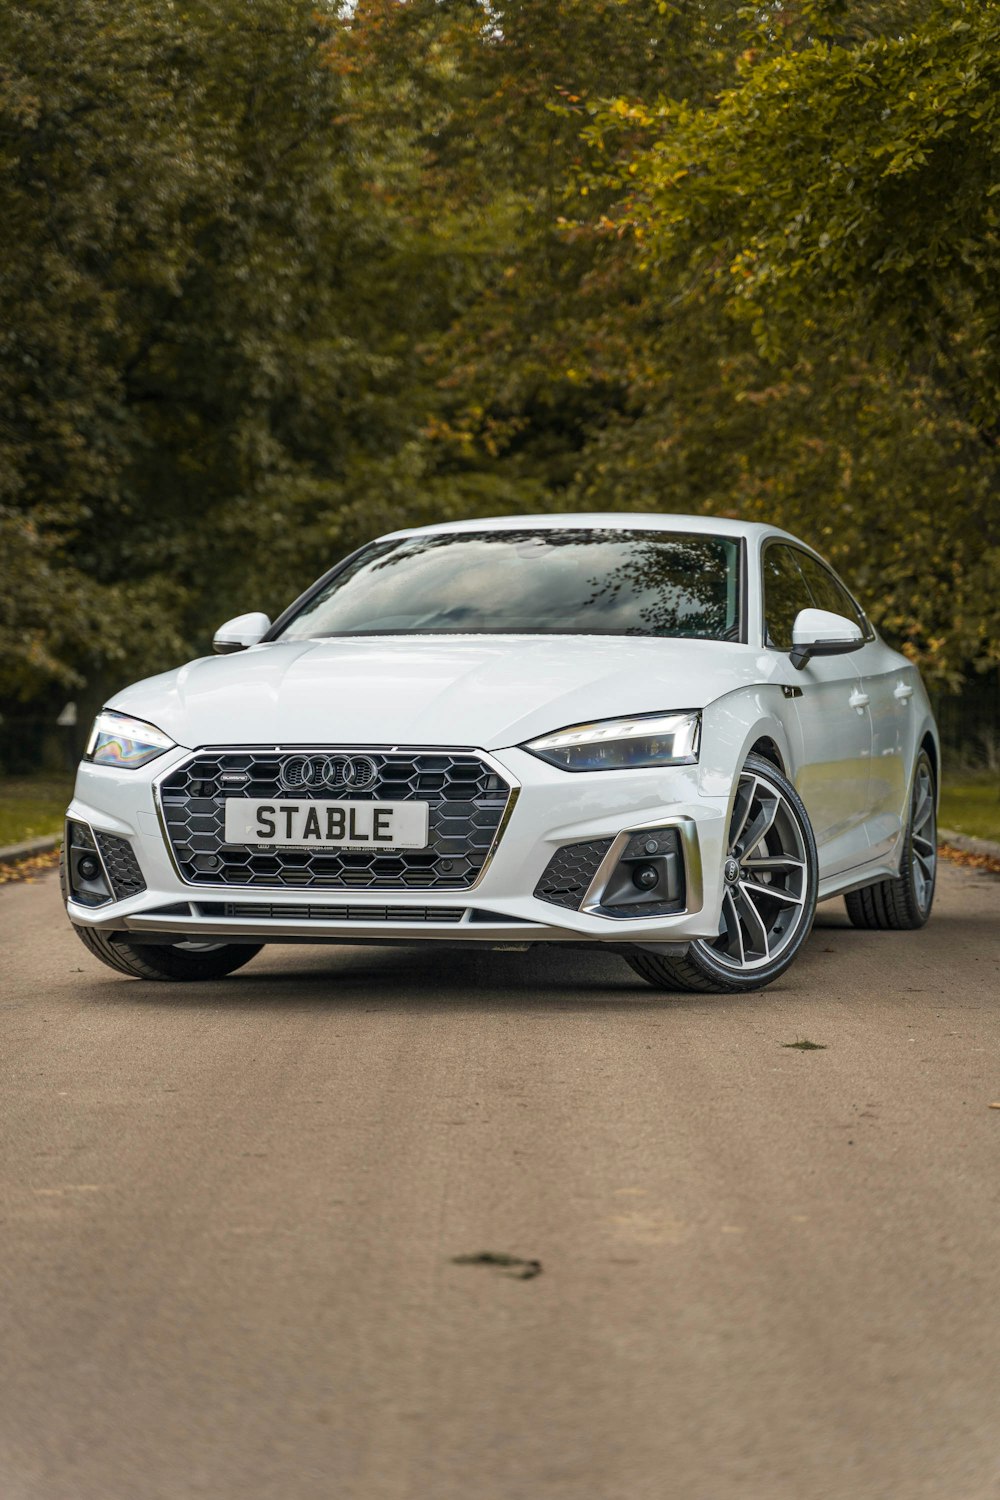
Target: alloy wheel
[(766, 871), (923, 838)]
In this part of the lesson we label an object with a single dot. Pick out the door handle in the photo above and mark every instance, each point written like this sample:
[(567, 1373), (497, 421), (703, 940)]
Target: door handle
[(903, 691), (859, 700)]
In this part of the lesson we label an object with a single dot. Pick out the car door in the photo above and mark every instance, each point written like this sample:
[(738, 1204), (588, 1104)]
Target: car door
[(832, 715), (889, 680), (887, 683)]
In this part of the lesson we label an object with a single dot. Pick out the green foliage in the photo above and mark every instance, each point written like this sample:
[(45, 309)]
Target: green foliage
[(188, 342), (833, 213), (278, 278)]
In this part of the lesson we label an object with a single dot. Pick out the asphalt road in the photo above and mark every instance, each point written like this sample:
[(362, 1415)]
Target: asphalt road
[(228, 1217)]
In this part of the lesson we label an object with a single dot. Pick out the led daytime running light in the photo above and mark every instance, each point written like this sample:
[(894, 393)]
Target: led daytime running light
[(126, 743), (622, 744)]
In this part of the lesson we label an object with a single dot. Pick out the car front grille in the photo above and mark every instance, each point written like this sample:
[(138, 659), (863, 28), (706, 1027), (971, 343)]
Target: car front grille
[(466, 800)]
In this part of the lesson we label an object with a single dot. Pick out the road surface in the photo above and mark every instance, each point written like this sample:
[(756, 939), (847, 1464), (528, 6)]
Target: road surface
[(230, 1215)]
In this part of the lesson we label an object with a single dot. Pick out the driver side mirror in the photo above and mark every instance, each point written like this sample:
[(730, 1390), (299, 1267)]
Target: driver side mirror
[(240, 632), (819, 632)]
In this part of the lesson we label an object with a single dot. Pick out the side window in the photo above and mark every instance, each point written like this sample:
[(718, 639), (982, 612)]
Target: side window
[(827, 592), (785, 593)]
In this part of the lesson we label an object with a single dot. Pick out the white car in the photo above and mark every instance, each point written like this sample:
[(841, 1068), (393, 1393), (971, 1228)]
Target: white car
[(667, 735)]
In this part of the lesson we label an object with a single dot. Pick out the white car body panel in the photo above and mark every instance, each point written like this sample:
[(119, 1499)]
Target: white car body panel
[(489, 692), (851, 760)]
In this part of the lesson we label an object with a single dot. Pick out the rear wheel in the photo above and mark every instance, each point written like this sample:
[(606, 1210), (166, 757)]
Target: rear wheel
[(769, 898), (185, 961), (905, 903)]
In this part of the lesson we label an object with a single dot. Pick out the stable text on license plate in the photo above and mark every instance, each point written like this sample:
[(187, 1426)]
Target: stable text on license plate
[(327, 825)]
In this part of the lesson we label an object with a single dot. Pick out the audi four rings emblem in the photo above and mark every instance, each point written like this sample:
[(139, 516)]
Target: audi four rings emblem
[(354, 773)]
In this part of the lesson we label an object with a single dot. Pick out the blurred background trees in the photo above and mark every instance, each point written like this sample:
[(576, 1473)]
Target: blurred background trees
[(275, 278)]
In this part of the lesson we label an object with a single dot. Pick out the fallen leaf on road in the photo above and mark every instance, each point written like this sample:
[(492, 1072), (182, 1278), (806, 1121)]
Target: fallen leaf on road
[(971, 861), (510, 1265), (29, 870), (804, 1045)]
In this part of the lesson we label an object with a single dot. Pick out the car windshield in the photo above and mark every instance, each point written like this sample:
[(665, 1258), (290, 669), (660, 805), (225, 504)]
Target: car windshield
[(572, 582)]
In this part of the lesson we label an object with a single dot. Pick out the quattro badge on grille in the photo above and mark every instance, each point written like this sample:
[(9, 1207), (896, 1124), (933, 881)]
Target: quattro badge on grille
[(354, 773)]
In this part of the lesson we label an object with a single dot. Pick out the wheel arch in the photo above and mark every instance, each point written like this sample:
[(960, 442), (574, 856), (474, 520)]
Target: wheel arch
[(762, 735), (737, 725), (929, 743), (767, 748)]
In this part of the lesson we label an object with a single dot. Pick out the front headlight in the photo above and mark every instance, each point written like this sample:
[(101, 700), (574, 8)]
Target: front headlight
[(623, 744), (117, 740)]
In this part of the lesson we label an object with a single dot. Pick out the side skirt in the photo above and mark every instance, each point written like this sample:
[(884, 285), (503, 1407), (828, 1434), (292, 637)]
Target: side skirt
[(856, 880)]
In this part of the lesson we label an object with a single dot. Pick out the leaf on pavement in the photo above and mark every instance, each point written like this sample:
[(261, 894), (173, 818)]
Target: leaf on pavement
[(512, 1265)]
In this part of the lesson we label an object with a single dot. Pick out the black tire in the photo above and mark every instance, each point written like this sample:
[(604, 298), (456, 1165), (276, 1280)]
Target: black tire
[(904, 904), (709, 966), (166, 961)]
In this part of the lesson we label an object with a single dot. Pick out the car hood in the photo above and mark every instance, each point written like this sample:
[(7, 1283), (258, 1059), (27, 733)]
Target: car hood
[(489, 692)]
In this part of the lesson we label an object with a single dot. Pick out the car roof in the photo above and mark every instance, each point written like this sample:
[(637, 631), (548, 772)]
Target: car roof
[(597, 521)]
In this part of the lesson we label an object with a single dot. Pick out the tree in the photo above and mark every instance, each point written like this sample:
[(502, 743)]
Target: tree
[(192, 348), (280, 277), (829, 222)]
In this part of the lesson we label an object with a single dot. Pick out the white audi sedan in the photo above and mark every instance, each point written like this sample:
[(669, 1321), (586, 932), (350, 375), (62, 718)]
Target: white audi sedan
[(667, 735)]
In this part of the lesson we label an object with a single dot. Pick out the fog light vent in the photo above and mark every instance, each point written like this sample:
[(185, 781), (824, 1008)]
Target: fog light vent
[(84, 871), (121, 865), (648, 880), (570, 871)]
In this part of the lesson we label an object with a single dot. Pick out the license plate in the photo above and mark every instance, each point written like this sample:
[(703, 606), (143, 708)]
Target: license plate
[(327, 825)]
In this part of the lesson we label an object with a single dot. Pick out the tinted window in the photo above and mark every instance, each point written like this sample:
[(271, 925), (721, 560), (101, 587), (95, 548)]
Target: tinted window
[(533, 582), (826, 591), (785, 593)]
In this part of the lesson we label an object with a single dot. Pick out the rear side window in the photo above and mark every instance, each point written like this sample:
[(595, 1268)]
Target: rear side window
[(785, 593)]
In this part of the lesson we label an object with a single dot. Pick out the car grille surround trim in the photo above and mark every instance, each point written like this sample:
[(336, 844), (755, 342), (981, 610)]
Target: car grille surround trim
[(469, 798)]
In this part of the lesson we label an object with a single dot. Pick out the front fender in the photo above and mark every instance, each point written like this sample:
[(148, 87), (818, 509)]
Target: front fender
[(731, 727)]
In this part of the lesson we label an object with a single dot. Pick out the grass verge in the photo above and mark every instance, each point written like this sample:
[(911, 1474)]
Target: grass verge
[(971, 805), (31, 806)]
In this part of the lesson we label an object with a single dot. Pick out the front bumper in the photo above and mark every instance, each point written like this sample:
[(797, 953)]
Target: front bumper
[(552, 809)]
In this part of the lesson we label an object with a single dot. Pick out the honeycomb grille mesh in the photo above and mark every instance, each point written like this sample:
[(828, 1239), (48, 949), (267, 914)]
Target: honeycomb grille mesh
[(466, 802), (121, 865), (569, 872)]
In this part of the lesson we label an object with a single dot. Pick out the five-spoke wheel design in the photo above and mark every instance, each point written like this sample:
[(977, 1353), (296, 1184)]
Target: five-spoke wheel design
[(766, 876), (769, 877)]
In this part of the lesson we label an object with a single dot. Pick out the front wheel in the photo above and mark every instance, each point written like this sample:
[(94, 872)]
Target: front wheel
[(769, 896), (191, 960)]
